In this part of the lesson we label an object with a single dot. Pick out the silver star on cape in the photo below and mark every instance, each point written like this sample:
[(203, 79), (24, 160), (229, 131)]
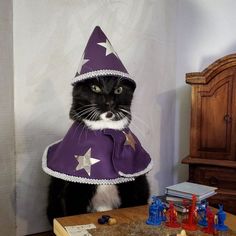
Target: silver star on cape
[(86, 161), (108, 46)]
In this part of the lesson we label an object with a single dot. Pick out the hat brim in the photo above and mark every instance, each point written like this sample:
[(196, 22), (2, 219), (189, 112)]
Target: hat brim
[(94, 74)]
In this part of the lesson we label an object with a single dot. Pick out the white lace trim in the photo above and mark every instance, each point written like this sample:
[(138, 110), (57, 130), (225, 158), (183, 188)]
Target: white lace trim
[(78, 179), (96, 73), (147, 169)]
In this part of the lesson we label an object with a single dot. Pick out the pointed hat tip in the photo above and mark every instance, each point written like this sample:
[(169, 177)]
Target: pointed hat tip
[(97, 27)]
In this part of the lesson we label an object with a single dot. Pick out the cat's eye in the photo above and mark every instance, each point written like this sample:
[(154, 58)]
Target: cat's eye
[(118, 90), (96, 88)]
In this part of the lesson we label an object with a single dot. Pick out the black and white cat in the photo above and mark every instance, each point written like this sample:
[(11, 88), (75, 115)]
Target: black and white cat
[(99, 103)]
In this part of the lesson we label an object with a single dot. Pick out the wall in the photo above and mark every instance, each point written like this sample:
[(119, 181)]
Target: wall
[(205, 31), (7, 160), (49, 38)]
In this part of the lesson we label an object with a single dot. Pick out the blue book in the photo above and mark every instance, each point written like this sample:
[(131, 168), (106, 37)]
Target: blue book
[(187, 190)]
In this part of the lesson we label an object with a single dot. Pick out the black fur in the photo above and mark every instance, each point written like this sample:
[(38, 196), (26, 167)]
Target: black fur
[(68, 198)]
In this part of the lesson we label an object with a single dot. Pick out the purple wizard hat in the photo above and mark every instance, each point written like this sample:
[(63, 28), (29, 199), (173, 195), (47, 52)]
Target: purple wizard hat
[(99, 59)]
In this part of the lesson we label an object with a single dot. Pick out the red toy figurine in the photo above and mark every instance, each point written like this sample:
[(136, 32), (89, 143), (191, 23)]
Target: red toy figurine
[(210, 229), (186, 205), (171, 215), (191, 222)]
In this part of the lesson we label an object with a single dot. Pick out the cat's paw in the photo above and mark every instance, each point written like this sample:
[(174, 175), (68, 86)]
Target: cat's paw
[(103, 208)]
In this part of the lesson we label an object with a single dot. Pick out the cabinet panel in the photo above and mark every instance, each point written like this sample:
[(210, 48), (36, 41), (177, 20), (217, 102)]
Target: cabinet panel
[(215, 124), (212, 118)]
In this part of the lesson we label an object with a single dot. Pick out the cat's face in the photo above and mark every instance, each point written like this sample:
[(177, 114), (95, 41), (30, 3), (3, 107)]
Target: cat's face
[(103, 102)]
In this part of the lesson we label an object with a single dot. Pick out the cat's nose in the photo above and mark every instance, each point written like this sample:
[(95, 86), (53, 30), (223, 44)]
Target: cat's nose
[(109, 114)]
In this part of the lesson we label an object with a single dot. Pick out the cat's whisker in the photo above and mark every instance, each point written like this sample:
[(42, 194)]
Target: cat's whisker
[(127, 114), (88, 105), (85, 108), (83, 128), (79, 114), (97, 114), (77, 127), (120, 115), (136, 117), (124, 106), (82, 132), (90, 113), (137, 129), (84, 111), (94, 114), (125, 111)]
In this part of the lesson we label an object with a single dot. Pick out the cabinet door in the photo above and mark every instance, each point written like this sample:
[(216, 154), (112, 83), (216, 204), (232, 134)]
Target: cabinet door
[(212, 117)]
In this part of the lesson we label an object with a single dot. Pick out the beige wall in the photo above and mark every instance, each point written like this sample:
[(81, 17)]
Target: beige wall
[(7, 160)]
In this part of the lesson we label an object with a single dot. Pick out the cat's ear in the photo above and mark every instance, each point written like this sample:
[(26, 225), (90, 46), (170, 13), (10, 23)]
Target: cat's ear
[(129, 83)]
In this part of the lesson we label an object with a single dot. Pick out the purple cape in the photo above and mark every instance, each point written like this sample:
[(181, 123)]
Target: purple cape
[(105, 156)]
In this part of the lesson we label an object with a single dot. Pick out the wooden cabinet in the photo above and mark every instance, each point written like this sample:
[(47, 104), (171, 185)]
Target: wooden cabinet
[(212, 158)]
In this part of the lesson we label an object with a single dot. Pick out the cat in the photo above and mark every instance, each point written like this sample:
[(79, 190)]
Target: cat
[(98, 103)]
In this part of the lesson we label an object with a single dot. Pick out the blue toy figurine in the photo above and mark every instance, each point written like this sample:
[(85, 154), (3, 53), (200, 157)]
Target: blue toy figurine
[(156, 212), (221, 216), (161, 210), (202, 209)]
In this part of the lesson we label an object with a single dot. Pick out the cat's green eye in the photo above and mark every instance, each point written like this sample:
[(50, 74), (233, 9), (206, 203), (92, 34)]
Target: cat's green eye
[(118, 90), (96, 89)]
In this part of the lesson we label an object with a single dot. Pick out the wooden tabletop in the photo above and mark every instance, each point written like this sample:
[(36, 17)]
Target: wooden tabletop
[(124, 215)]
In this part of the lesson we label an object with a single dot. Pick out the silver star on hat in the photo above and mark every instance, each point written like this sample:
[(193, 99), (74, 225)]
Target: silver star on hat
[(109, 49)]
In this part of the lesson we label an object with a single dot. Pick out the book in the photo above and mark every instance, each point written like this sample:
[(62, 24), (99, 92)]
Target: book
[(174, 198), (187, 190), (178, 207)]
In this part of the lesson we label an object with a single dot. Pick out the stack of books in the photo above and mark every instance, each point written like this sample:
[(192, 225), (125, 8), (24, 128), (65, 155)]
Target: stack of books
[(178, 192)]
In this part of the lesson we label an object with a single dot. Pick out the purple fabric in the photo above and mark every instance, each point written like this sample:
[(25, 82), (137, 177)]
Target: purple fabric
[(96, 54), (106, 145)]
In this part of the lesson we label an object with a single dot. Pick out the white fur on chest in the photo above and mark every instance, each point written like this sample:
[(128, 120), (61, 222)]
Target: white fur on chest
[(107, 124), (106, 198)]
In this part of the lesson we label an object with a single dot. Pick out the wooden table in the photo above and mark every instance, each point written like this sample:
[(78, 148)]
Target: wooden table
[(124, 215)]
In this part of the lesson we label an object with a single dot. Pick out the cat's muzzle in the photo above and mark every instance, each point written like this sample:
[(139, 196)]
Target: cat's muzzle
[(107, 115)]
